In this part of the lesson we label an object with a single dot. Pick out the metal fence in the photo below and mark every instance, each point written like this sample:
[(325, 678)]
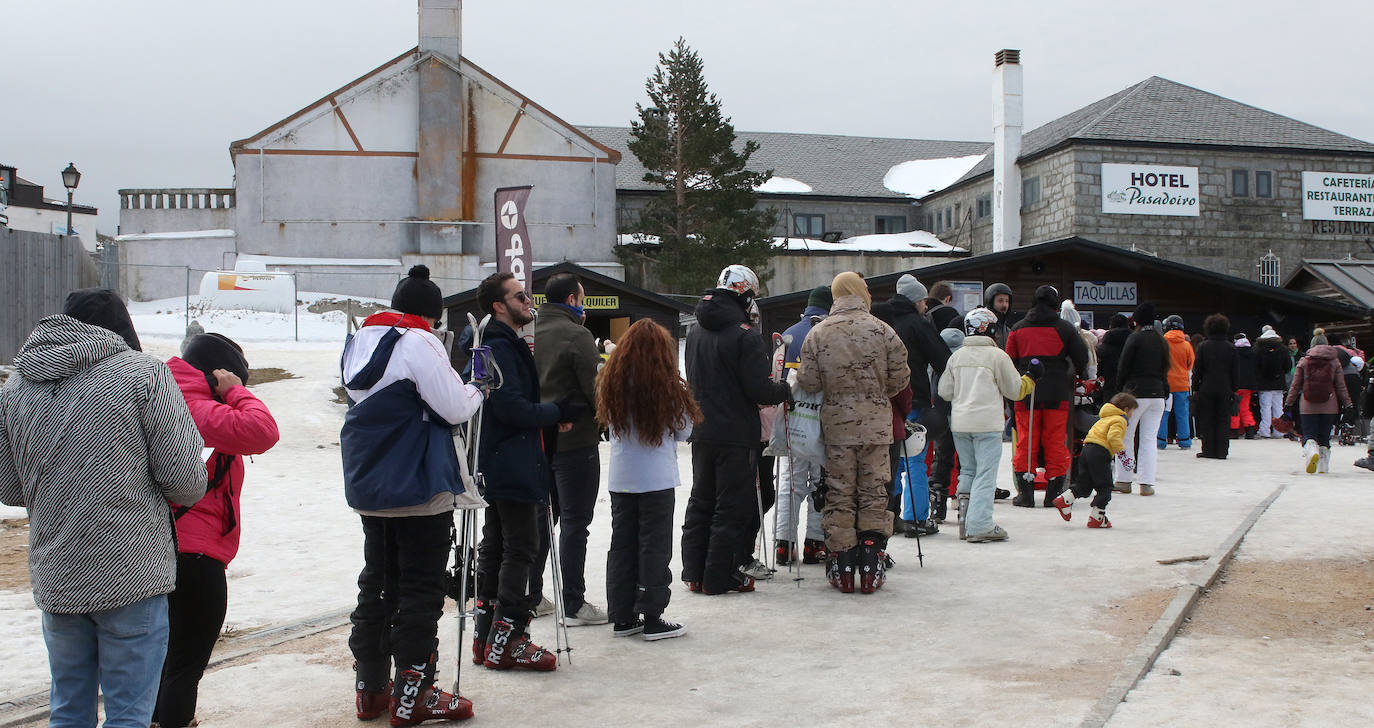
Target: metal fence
[(37, 271)]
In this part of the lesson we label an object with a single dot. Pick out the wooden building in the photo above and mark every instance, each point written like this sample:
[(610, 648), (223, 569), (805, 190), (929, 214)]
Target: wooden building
[(1104, 279)]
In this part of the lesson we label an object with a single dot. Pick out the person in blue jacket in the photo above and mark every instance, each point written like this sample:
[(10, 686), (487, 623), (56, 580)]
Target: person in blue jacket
[(518, 481)]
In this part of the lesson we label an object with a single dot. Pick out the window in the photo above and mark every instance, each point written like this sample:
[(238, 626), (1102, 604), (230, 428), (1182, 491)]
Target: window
[(1264, 184), (949, 217), (1030, 191), (1240, 183), (812, 226), (984, 206), (1269, 263), (889, 224), (930, 223)]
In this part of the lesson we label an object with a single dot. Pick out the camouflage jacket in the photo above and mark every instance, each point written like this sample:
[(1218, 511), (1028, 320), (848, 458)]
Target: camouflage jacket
[(859, 363)]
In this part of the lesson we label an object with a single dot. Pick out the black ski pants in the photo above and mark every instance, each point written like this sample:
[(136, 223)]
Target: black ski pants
[(1213, 412), (638, 579), (195, 615), (400, 591), (716, 533), (577, 478), (1094, 475), (505, 557)]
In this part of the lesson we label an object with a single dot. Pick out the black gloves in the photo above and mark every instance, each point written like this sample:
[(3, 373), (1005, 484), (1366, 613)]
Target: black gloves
[(1036, 370)]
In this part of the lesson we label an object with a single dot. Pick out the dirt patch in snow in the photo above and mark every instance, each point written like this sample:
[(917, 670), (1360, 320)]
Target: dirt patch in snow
[(14, 554), (268, 374), (359, 309), (1309, 599)]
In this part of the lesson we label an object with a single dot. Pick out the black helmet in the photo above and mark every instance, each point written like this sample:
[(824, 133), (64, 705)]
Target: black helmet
[(993, 291), (1173, 322)]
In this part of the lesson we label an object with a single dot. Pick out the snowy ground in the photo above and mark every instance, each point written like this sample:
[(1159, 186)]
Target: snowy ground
[(1027, 632)]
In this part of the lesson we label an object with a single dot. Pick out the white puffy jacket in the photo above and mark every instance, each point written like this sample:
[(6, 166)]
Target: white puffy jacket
[(976, 380)]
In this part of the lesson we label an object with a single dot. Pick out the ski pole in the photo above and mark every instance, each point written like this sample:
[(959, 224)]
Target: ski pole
[(906, 466), (1029, 475), (560, 628)]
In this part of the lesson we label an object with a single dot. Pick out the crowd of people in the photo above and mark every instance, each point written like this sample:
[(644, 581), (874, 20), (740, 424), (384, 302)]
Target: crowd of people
[(914, 400)]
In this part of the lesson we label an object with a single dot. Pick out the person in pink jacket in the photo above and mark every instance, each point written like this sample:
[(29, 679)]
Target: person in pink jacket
[(211, 373)]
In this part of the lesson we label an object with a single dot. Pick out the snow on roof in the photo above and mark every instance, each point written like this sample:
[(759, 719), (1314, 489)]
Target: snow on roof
[(636, 239), (921, 177), (282, 260), (783, 184), (177, 235), (916, 241)]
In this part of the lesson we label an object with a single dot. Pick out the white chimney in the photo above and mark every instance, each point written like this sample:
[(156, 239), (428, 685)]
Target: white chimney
[(441, 27), (1006, 148)]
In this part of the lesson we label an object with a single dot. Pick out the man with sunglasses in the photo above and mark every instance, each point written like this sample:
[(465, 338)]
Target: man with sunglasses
[(518, 481)]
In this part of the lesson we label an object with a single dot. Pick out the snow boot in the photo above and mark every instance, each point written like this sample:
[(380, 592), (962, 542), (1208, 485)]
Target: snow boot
[(1324, 460), (783, 555), (1097, 518), (744, 583), (938, 504), (1366, 462), (415, 699), (1000, 494), (840, 570), (1310, 454), (693, 586), (872, 562), (481, 629), (963, 516), (373, 689), (813, 552), (1053, 488), (510, 647), (996, 534), (1064, 504), (1025, 491)]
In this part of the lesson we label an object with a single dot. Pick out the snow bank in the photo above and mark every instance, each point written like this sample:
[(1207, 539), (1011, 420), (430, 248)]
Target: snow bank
[(921, 177), (783, 184), (165, 319)]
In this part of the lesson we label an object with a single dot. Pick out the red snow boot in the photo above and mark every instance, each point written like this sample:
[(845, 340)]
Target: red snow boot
[(840, 570), (510, 648), (479, 651), (1065, 509), (813, 552), (693, 586), (1098, 519), (872, 565), (412, 702), (784, 552), (371, 703), (373, 690)]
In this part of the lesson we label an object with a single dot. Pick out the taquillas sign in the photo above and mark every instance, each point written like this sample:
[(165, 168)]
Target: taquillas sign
[(1138, 189)]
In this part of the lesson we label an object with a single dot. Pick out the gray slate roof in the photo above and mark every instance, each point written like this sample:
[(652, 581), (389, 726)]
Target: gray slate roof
[(831, 164), (1353, 278), (1160, 111)]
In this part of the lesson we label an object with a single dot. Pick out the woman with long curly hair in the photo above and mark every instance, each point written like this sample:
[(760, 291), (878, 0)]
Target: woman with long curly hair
[(643, 401)]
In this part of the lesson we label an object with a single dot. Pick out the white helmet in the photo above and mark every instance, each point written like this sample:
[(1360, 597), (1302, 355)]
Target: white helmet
[(979, 322), (740, 279)]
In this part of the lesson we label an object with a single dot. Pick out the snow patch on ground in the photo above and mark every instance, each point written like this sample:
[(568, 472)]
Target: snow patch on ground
[(784, 184), (921, 177), (165, 319)]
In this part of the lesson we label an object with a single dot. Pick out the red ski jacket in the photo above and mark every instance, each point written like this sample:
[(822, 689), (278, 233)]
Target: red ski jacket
[(238, 426)]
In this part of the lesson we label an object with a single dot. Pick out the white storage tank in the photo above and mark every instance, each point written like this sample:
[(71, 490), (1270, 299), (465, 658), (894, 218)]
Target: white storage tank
[(250, 290)]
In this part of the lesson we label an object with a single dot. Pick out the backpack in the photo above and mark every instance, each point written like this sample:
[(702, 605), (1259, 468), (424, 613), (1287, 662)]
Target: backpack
[(1318, 380)]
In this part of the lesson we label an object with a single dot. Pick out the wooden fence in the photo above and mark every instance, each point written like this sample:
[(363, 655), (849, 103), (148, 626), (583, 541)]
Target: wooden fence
[(37, 271)]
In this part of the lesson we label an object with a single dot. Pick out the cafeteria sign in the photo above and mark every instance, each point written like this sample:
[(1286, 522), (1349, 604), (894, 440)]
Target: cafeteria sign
[(1337, 196), (600, 303), (1104, 293)]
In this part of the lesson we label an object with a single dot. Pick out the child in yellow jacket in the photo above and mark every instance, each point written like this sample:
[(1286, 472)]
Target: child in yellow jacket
[(1095, 462)]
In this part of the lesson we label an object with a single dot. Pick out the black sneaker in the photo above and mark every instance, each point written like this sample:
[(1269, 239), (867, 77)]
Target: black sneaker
[(628, 629), (658, 628)]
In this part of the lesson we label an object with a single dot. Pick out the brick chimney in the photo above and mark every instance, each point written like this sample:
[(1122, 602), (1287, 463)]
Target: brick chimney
[(439, 193), (1006, 148)]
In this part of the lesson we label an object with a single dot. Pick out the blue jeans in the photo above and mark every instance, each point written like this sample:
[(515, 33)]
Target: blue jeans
[(979, 453), (1179, 412), (118, 652)]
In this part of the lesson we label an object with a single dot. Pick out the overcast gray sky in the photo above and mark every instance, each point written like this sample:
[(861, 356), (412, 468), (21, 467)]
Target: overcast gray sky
[(149, 93)]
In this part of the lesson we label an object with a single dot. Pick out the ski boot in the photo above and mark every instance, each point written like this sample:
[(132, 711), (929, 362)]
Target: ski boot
[(1311, 453), (415, 699), (373, 689), (872, 563), (813, 552), (938, 504), (1324, 460), (1064, 504), (743, 583), (510, 647), (783, 555), (840, 570), (481, 629), (1098, 518), (1025, 491), (963, 516), (1053, 488), (693, 586), (1000, 494)]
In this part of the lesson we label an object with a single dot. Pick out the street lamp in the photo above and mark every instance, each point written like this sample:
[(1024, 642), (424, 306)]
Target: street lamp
[(70, 179)]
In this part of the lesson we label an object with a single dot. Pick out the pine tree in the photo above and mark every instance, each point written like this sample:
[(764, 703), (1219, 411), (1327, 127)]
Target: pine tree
[(705, 218)]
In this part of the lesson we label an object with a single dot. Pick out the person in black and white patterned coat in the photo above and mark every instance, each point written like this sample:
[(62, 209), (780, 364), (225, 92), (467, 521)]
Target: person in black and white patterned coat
[(95, 438)]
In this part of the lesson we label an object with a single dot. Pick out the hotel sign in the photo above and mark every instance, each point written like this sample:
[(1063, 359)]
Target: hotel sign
[(1149, 189), (1338, 196)]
